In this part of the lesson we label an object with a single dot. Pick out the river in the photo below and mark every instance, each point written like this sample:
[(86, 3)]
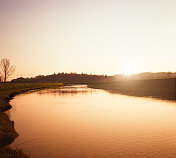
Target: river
[(80, 122)]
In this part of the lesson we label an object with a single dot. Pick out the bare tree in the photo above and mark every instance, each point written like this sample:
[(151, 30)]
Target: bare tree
[(6, 69)]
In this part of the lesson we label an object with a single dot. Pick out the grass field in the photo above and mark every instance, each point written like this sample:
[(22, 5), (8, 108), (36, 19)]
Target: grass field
[(156, 88), (7, 130)]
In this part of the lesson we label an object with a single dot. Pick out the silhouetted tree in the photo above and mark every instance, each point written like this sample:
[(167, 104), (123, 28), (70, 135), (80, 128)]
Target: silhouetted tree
[(6, 69)]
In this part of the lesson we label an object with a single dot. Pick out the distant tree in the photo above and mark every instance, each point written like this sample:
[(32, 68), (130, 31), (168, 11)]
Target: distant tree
[(6, 69)]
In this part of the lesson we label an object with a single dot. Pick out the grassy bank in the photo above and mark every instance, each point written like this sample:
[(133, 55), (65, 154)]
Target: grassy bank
[(157, 88), (7, 130)]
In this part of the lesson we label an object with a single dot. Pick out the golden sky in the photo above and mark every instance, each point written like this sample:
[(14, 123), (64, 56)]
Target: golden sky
[(91, 36)]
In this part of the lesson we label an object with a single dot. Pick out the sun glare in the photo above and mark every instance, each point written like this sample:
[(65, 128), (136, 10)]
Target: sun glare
[(128, 72)]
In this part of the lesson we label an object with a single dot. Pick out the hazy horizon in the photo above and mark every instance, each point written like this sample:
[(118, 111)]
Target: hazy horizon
[(98, 37)]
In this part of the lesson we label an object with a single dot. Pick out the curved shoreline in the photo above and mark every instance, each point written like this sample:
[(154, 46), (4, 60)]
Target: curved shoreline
[(7, 129)]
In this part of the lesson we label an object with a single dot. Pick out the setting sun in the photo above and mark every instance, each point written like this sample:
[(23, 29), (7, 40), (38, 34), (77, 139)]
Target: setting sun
[(128, 72), (129, 68), (83, 32)]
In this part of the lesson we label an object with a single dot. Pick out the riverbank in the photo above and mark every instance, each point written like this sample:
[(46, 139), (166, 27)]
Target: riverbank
[(156, 88), (7, 130)]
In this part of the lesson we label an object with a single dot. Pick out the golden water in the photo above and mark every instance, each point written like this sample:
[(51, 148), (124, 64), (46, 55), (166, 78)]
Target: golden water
[(79, 122)]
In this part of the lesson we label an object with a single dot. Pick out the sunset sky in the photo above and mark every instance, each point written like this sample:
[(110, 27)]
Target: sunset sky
[(90, 36)]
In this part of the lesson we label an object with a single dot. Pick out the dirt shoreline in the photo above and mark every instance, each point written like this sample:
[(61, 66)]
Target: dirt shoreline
[(7, 129)]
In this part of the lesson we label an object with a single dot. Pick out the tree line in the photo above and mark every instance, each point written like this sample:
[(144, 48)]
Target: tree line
[(65, 78), (7, 69)]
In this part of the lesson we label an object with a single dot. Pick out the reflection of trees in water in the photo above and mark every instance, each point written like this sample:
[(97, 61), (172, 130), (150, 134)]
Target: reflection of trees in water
[(67, 90)]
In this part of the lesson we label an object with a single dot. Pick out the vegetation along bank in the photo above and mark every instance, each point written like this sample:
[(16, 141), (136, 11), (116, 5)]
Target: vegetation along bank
[(156, 88)]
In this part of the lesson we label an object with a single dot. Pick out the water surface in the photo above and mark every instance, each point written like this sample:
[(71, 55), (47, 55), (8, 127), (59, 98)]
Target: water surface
[(79, 122)]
